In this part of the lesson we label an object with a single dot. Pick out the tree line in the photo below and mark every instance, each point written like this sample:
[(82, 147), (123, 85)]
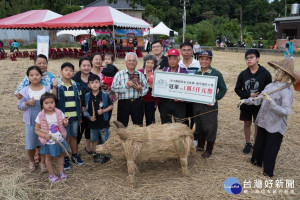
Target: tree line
[(205, 18)]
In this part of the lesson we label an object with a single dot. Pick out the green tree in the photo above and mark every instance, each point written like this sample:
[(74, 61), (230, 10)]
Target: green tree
[(69, 9)]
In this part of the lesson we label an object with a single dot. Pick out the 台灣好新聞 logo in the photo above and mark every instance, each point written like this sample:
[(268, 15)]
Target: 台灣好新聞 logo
[(232, 186)]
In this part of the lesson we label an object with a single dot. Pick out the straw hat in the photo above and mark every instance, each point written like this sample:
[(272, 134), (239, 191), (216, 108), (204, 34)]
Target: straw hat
[(286, 65)]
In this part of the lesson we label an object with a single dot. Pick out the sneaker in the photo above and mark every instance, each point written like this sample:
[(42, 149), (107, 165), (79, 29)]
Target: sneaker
[(96, 157), (63, 176), (53, 178), (105, 159), (247, 148), (89, 152), (67, 163), (77, 160)]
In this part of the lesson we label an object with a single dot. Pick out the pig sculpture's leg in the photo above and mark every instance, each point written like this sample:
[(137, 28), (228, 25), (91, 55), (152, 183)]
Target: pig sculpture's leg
[(132, 150), (184, 151)]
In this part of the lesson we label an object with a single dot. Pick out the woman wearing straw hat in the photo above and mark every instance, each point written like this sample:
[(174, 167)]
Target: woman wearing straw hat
[(276, 102)]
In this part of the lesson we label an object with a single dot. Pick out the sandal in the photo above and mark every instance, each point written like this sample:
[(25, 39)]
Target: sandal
[(31, 167), (43, 168), (63, 176), (53, 178), (37, 158)]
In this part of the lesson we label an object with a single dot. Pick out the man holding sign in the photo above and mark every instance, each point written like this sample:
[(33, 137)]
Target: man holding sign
[(206, 124), (172, 107)]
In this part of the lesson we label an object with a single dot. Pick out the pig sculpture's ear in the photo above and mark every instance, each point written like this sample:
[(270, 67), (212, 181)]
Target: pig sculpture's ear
[(118, 124), (122, 133)]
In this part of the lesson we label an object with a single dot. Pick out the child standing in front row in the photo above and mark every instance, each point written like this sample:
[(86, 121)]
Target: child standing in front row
[(97, 106), (30, 104), (68, 95), (52, 121)]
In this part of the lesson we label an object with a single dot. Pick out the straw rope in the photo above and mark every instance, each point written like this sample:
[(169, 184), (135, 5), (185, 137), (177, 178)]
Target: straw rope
[(272, 92), (58, 142), (183, 119)]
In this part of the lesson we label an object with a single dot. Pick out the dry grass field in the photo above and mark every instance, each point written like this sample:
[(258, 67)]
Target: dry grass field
[(155, 180)]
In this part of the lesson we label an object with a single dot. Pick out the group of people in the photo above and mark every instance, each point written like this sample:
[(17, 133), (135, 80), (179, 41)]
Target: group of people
[(53, 109), (59, 111), (13, 45)]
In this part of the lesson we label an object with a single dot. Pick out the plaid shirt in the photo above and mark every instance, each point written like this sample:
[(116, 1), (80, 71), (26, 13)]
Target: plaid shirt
[(119, 85), (47, 80)]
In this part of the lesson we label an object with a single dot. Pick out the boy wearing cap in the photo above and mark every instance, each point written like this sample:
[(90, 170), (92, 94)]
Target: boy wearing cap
[(206, 125), (172, 107), (272, 116), (250, 83)]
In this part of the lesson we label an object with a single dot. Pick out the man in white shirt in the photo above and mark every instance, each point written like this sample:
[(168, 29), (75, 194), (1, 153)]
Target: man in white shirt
[(191, 65), (188, 62)]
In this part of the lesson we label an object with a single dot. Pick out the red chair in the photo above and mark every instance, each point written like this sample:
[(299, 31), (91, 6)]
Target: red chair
[(13, 57), (32, 55), (60, 53), (25, 54), (66, 53), (3, 55), (76, 53), (121, 53), (139, 53)]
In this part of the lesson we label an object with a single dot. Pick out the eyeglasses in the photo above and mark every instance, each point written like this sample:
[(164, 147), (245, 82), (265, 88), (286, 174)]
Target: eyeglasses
[(155, 47), (249, 58)]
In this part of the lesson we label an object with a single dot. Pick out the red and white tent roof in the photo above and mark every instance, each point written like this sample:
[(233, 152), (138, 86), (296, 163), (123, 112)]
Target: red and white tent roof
[(93, 17), (27, 19)]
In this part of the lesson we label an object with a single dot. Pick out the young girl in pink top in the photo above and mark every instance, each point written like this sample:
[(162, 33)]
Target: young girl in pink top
[(52, 121)]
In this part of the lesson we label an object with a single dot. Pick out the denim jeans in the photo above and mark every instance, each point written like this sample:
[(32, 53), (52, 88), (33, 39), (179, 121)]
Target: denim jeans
[(96, 134), (72, 128)]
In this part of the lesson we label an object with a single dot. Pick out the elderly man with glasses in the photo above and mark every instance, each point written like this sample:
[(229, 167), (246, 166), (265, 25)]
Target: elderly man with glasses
[(130, 85)]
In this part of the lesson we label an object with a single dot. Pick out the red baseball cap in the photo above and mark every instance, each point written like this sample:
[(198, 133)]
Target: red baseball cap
[(173, 52)]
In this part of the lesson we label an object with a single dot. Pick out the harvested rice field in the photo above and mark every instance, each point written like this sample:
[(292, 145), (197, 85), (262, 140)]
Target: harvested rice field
[(155, 180)]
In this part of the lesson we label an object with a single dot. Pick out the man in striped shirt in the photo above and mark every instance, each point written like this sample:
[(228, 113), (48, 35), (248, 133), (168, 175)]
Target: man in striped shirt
[(130, 85)]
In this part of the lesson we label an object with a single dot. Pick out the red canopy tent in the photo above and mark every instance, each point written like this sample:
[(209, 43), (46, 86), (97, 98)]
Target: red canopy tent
[(28, 19), (93, 17)]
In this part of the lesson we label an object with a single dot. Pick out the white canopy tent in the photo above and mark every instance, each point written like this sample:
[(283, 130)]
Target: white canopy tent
[(160, 29), (76, 32)]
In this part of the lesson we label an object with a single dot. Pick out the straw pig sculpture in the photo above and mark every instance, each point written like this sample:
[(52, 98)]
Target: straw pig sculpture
[(156, 142)]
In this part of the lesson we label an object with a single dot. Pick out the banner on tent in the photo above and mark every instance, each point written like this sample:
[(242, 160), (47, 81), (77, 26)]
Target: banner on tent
[(127, 35), (43, 45)]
